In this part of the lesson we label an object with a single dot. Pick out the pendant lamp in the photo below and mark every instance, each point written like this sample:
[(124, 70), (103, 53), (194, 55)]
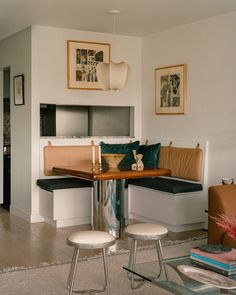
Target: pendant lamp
[(112, 76)]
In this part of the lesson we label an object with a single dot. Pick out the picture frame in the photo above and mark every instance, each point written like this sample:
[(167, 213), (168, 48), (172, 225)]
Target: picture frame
[(171, 87), (82, 60), (18, 90)]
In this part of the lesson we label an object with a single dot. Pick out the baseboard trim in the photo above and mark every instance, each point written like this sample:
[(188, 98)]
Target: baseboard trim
[(27, 217), (171, 227), (68, 221)]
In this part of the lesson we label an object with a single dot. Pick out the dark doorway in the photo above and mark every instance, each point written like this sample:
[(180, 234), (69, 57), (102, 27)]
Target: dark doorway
[(6, 140)]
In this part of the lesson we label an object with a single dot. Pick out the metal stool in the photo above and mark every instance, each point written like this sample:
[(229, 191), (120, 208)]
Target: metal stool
[(145, 231), (88, 240)]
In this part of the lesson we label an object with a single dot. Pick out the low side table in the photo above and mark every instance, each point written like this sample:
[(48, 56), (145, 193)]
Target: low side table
[(177, 283)]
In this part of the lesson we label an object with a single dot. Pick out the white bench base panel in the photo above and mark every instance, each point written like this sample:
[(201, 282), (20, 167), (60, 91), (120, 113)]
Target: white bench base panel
[(178, 212), (66, 207)]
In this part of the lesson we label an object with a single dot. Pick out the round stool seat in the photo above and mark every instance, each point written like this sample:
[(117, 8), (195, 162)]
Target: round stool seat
[(146, 231), (90, 239)]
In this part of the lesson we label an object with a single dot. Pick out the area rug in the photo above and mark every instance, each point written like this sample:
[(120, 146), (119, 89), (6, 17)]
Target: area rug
[(51, 279)]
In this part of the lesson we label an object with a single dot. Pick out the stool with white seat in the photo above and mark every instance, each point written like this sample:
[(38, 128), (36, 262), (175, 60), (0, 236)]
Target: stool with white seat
[(145, 231), (88, 240)]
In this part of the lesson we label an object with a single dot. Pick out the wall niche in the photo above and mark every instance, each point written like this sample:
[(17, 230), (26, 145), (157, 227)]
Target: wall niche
[(84, 121)]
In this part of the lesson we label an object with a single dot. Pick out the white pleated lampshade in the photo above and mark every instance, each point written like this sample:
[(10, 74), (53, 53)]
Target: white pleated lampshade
[(112, 76)]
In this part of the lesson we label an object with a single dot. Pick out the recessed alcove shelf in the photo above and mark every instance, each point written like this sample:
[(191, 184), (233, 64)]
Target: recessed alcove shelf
[(75, 121)]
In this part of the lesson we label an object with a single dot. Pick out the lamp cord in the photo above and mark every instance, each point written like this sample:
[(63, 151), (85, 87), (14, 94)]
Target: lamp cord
[(114, 32), (114, 24)]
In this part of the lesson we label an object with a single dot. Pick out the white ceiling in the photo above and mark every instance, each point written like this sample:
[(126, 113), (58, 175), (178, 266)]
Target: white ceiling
[(137, 18)]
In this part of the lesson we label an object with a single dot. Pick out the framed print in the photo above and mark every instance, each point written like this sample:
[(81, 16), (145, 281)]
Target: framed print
[(82, 60), (171, 90), (18, 90)]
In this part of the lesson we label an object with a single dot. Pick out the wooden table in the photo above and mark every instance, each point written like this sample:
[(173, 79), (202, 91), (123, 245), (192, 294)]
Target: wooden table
[(110, 205)]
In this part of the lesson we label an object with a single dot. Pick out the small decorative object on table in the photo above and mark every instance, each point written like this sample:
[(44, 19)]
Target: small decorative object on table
[(99, 158), (93, 155), (113, 160), (207, 277), (210, 248), (139, 164)]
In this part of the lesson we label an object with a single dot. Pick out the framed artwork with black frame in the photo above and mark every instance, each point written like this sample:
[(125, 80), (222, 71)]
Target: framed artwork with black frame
[(18, 89)]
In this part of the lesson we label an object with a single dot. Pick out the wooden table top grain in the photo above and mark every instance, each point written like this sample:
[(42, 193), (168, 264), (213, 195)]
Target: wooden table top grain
[(86, 172)]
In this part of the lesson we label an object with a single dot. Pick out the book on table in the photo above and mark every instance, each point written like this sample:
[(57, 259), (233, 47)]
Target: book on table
[(212, 267), (224, 263)]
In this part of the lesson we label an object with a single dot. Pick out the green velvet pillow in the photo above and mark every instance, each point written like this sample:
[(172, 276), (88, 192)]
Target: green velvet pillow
[(150, 155), (121, 148)]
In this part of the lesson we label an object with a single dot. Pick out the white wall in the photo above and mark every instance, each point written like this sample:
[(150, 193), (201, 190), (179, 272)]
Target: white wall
[(49, 80), (208, 48), (15, 52)]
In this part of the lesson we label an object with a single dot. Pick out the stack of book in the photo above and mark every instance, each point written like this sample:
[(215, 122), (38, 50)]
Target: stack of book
[(223, 263)]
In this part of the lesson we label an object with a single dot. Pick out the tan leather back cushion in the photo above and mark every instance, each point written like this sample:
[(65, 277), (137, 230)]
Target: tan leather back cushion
[(183, 162), (66, 156)]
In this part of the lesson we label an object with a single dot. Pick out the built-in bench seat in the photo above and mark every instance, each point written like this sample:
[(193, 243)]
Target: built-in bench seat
[(178, 201), (65, 201), (166, 185), (51, 184)]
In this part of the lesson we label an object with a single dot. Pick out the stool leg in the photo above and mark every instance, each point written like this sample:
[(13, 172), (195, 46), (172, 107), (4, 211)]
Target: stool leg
[(71, 269), (160, 258), (133, 262), (107, 285), (72, 273), (131, 265), (131, 257)]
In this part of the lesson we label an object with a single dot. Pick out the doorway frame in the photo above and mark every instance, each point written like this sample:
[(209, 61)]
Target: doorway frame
[(1, 136)]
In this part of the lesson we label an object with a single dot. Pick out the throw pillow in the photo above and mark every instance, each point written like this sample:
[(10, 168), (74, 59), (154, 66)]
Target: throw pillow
[(121, 148), (150, 155)]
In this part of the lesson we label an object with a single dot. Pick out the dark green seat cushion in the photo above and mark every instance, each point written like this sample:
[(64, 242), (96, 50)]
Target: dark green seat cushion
[(173, 186), (51, 184), (121, 148), (150, 155)]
